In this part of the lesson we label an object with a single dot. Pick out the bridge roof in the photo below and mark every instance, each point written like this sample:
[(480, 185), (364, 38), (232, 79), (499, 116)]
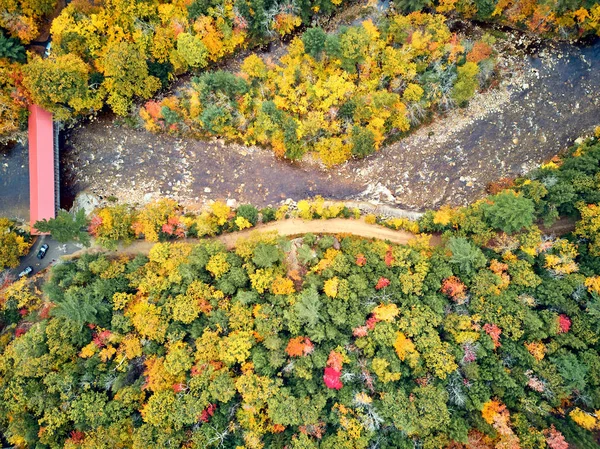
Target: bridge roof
[(41, 166)]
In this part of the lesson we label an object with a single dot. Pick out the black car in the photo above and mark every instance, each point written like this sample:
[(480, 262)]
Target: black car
[(42, 252)]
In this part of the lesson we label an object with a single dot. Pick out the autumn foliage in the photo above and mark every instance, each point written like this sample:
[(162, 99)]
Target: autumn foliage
[(494, 332), (564, 323), (340, 95), (115, 65), (299, 346), (333, 371), (276, 344), (454, 289), (382, 283), (115, 52), (225, 347), (13, 244)]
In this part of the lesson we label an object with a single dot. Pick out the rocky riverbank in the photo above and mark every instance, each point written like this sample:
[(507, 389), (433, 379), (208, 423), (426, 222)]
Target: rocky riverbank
[(545, 100), (548, 97)]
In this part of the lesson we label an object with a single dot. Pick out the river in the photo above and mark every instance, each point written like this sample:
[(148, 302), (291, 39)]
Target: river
[(547, 99), (14, 182), (553, 98)]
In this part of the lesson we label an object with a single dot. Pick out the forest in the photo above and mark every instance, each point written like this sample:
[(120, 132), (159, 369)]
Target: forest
[(487, 340), (118, 53), (482, 332), (340, 95)]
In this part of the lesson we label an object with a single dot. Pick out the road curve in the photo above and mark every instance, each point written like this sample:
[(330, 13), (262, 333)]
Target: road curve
[(290, 227), (55, 251), (297, 226)]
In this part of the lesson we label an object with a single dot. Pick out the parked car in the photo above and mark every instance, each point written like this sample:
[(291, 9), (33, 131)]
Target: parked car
[(48, 49), (26, 272), (42, 252)]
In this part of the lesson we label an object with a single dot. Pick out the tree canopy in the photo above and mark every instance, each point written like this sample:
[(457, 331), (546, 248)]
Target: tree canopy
[(340, 94), (489, 340), (66, 227), (13, 244)]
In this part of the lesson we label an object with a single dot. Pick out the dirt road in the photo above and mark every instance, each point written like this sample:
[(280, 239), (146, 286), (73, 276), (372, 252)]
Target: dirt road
[(297, 226), (291, 227)]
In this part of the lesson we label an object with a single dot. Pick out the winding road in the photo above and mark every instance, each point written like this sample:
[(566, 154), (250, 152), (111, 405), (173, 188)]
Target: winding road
[(290, 227)]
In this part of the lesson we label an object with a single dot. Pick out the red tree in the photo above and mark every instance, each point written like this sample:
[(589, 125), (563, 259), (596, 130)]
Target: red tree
[(494, 332), (564, 324), (555, 439), (208, 412), (332, 379), (382, 283)]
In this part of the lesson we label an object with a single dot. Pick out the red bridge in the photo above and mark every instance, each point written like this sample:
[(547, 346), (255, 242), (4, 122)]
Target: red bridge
[(43, 166)]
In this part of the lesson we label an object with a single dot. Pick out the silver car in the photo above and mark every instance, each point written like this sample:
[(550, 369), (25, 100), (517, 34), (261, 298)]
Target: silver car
[(26, 272)]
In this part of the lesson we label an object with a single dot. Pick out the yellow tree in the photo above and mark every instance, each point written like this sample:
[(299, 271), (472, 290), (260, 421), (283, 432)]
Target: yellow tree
[(111, 225), (61, 85), (126, 75), (22, 17), (192, 50), (12, 103), (12, 244), (153, 217), (148, 319), (589, 226)]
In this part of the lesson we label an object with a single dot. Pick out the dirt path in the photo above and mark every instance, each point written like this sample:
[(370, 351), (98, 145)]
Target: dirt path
[(297, 226), (291, 227)]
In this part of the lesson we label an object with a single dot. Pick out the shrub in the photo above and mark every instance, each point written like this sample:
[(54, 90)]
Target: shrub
[(466, 84), (268, 214), (363, 142), (249, 212)]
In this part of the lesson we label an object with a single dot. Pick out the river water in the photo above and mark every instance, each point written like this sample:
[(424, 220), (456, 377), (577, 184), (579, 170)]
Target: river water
[(552, 98), (14, 182)]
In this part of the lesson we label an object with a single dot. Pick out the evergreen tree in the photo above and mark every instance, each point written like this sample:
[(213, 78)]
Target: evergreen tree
[(314, 42), (12, 49), (509, 212), (66, 227), (465, 255)]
